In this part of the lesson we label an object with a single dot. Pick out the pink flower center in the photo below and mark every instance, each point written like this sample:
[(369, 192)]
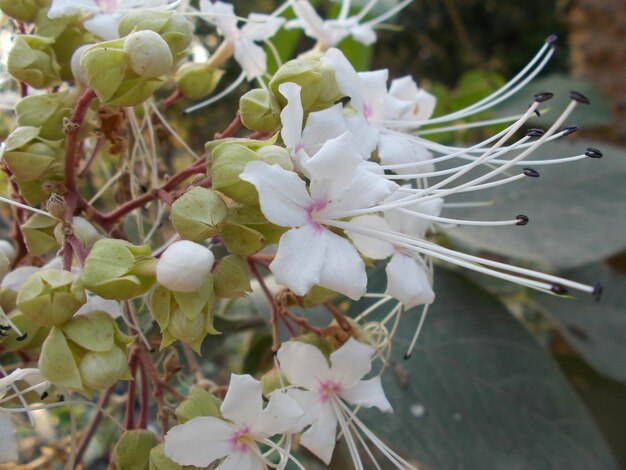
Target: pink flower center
[(328, 388), (241, 440), (313, 209), (367, 112)]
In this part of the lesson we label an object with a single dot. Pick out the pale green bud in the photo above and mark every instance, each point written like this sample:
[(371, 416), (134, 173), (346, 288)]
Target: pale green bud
[(100, 370), (149, 55), (77, 71), (83, 229), (197, 80), (259, 110), (39, 234), (275, 155), (317, 296), (184, 266), (23, 10), (305, 73), (132, 451), (46, 111), (231, 277), (33, 61), (119, 270), (51, 297), (199, 402), (199, 214), (158, 460)]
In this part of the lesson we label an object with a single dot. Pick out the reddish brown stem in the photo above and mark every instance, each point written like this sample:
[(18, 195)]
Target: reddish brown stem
[(233, 127), (173, 98), (273, 305), (93, 424), (145, 401), (129, 415), (338, 316), (71, 142)]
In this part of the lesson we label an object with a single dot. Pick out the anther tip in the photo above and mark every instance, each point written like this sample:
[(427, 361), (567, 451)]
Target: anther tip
[(344, 100), (593, 153), (543, 96), (407, 356), (579, 97), (5, 327), (567, 130), (44, 395), (551, 39), (151, 350), (22, 338), (534, 132), (522, 219), (185, 113), (597, 290), (559, 289), (531, 172)]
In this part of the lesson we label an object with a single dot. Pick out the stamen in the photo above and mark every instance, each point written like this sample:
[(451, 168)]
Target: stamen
[(597, 291), (522, 219), (593, 153), (418, 330), (559, 289), (238, 81), (531, 173), (485, 223), (534, 132), (569, 130), (579, 97), (543, 96)]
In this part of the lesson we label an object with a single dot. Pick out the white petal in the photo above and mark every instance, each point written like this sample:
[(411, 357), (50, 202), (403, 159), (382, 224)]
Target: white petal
[(370, 247), (95, 302), (422, 103), (199, 441), (350, 363), (60, 8), (184, 266), (261, 27), (14, 280), (8, 440), (309, 402), (223, 16), (279, 416), (104, 26), (347, 78), (374, 91), (303, 364), (364, 34), (251, 57), (322, 126), (243, 401), (282, 194), (332, 169), (291, 116), (30, 375), (310, 21), (343, 269), (320, 438), (365, 136), (394, 150), (300, 256), (367, 393), (407, 281), (242, 460), (368, 175)]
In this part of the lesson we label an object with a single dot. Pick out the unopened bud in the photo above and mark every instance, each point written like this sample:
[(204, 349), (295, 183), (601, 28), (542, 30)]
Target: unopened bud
[(184, 266), (149, 55), (231, 277), (198, 214)]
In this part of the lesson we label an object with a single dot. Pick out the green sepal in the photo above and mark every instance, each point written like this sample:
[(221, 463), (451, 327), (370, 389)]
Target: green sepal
[(100, 370), (231, 277), (305, 73), (259, 110), (242, 240), (199, 402), (158, 460), (33, 61), (57, 363), (198, 214), (132, 451), (105, 67), (93, 331), (38, 234), (193, 304)]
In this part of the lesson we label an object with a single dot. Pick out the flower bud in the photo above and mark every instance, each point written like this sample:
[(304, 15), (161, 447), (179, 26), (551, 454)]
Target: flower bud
[(274, 154), (199, 402), (149, 55), (197, 80), (77, 71), (33, 61), (38, 234), (8, 250), (23, 10), (51, 297), (259, 110), (184, 266), (231, 277), (272, 380), (82, 228), (100, 370), (132, 451), (46, 111), (304, 72), (198, 214), (118, 270)]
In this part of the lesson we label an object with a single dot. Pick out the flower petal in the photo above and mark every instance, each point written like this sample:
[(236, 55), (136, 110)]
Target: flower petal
[(407, 281), (299, 259), (422, 103), (350, 363), (282, 194), (199, 441), (322, 126), (60, 8), (347, 78), (279, 416), (309, 402), (243, 401), (367, 175), (374, 85), (291, 116), (371, 247), (261, 27), (223, 17), (365, 136), (303, 364), (394, 150), (251, 57), (343, 269), (8, 440), (104, 25), (321, 436), (30, 375), (364, 34), (368, 393), (242, 460)]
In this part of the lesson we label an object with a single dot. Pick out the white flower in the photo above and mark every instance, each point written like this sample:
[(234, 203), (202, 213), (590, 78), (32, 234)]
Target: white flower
[(203, 440), (322, 387), (107, 13), (184, 266), (250, 56)]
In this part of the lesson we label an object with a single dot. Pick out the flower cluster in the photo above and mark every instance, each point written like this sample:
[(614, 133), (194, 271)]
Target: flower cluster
[(331, 174)]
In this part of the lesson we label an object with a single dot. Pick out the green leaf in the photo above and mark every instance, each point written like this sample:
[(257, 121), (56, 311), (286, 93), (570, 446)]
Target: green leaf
[(480, 393), (597, 330), (576, 210), (598, 114)]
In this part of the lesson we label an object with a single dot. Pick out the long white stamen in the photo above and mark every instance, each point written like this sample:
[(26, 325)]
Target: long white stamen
[(238, 81), (23, 206), (365, 10), (418, 330), (465, 205), (386, 298), (388, 14), (486, 223), (354, 452), (345, 10), (469, 125), (20, 396), (173, 132)]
